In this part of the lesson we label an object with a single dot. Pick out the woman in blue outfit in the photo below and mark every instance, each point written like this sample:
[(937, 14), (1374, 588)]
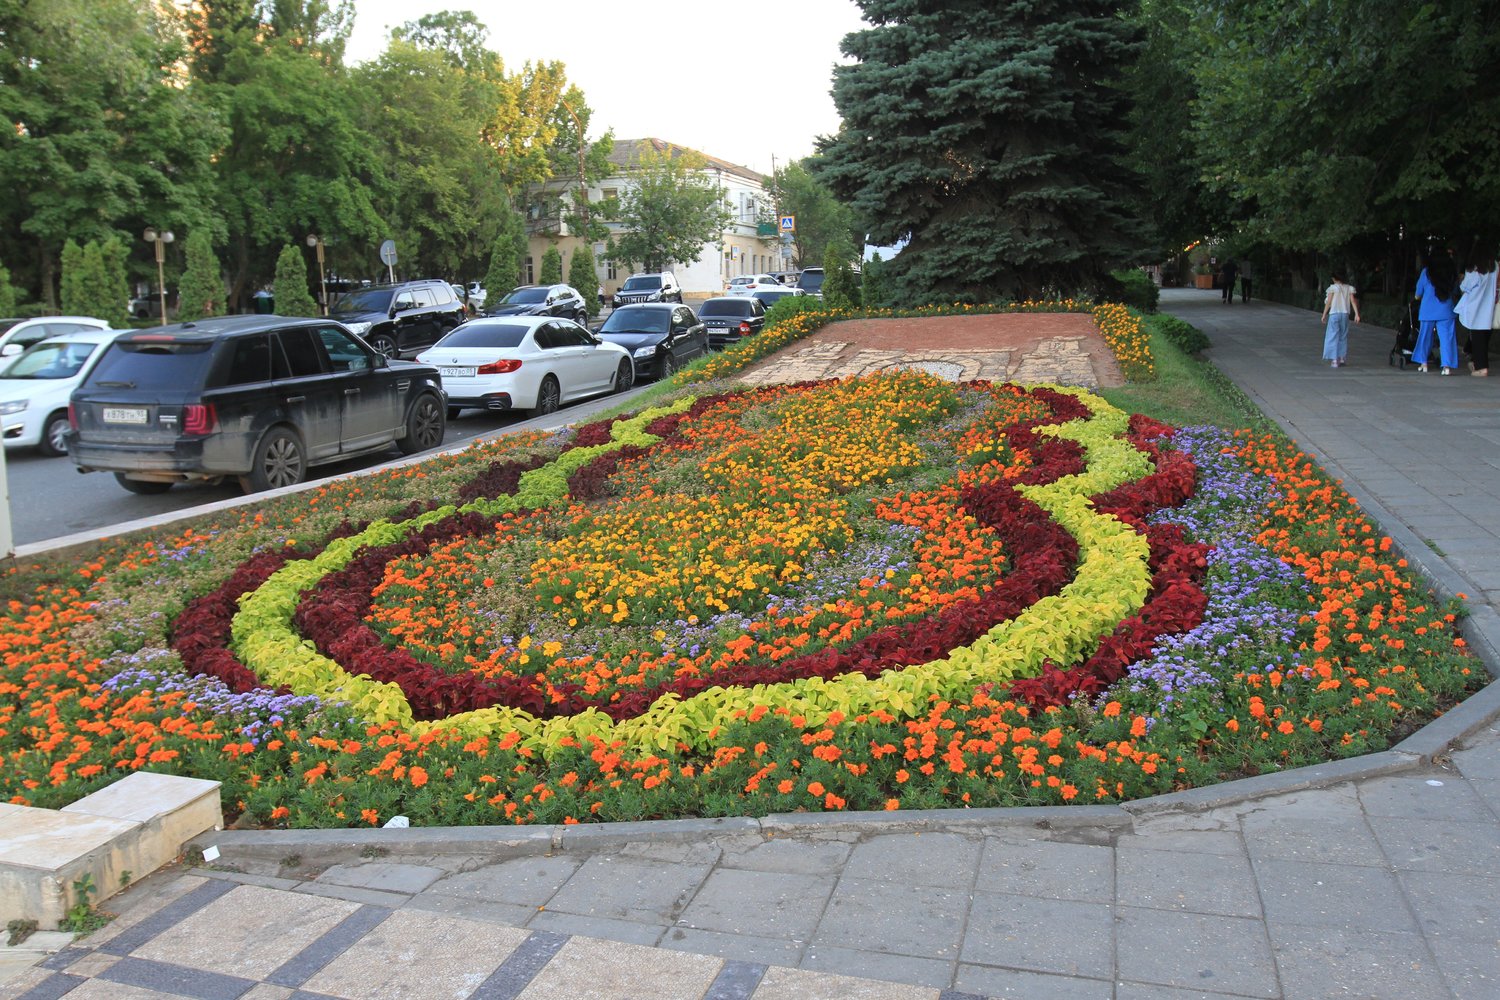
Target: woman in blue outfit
[(1339, 304), (1436, 289)]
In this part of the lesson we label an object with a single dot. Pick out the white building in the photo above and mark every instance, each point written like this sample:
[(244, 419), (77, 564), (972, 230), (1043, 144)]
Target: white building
[(748, 245)]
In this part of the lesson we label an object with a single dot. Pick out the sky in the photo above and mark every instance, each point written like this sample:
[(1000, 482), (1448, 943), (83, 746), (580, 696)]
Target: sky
[(742, 82)]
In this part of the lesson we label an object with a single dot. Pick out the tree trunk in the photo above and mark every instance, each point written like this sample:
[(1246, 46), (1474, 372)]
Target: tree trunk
[(48, 276)]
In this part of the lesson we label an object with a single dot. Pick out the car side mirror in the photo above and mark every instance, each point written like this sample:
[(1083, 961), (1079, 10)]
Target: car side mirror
[(10, 350)]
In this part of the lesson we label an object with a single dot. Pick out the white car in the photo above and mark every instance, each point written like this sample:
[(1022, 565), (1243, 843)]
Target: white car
[(35, 386), (745, 284), (30, 331), (477, 295), (534, 363)]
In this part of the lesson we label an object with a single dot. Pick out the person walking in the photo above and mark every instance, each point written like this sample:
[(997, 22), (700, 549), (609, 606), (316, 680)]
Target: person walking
[(1245, 278), (1476, 311), (1437, 287), (1226, 275), (1340, 303)]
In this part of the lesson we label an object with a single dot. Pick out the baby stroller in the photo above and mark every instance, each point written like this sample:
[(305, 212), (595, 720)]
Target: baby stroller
[(1406, 340)]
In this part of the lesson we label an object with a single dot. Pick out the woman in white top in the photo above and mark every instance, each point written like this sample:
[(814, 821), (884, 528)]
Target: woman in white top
[(1338, 304), (1476, 311)]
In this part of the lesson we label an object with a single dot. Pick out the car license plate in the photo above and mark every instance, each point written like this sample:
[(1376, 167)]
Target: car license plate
[(124, 415), (458, 372)]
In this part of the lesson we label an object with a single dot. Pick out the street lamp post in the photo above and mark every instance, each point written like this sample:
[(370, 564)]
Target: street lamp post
[(161, 238), (317, 243)]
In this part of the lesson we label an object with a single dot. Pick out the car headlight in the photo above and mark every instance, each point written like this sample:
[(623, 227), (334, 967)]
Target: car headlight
[(640, 352), (655, 297), (17, 405), (359, 329)]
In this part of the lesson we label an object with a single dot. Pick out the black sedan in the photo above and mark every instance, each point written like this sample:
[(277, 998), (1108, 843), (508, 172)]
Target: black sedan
[(660, 336), (732, 318)]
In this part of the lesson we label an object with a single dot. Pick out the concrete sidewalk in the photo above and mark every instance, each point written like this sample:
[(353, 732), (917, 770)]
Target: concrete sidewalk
[(1378, 877)]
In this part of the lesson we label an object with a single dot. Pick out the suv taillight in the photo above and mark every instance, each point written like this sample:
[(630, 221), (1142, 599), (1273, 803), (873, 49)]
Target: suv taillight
[(72, 416), (504, 367), (200, 418)]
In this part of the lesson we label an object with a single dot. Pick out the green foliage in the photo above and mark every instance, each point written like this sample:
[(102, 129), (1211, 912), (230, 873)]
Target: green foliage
[(85, 284), (1326, 123), (506, 256), (71, 283), (200, 293), (1135, 289), (81, 917), (668, 212), (7, 293), (874, 288), (1184, 336), (291, 288), (19, 930), (112, 301), (584, 276), (840, 290), (551, 272), (792, 305), (821, 218), (990, 136)]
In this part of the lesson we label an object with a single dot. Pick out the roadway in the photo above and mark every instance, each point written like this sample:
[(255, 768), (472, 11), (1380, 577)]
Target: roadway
[(50, 499)]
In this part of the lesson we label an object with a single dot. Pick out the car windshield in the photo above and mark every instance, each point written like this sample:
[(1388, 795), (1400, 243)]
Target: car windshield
[(629, 320), (810, 281), (49, 361), (373, 300), (641, 283), (152, 365), (725, 307), (525, 297), (485, 335)]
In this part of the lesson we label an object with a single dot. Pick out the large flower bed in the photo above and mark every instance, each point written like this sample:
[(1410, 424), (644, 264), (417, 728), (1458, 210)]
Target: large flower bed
[(883, 593)]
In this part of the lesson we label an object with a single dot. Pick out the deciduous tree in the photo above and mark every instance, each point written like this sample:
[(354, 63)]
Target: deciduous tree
[(821, 218), (668, 210)]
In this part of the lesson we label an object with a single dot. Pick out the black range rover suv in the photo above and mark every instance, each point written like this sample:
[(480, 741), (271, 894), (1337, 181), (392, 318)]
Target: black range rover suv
[(260, 398)]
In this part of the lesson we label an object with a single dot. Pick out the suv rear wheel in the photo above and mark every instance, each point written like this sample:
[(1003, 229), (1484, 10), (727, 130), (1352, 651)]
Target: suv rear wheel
[(425, 425), (279, 461)]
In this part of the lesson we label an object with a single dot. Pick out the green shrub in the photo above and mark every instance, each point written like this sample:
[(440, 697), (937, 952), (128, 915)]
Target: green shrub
[(790, 306), (1187, 337), (551, 272), (583, 276), (292, 295), (1137, 289)]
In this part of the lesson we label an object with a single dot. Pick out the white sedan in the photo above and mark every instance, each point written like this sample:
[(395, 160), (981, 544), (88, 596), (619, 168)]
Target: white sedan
[(534, 363), (745, 284), (35, 386)]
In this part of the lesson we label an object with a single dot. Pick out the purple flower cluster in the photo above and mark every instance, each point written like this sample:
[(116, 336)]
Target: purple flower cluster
[(253, 713), (1248, 615)]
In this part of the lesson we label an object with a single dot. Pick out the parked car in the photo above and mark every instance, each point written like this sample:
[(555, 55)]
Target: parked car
[(23, 333), (542, 300), (742, 284), (260, 398), (732, 318), (660, 336), (770, 296), (659, 286), (534, 363), (35, 386), (787, 278), (148, 306), (811, 281), (401, 319), (477, 295)]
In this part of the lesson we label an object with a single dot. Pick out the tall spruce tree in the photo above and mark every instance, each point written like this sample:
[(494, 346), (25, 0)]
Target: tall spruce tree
[(506, 256), (583, 275), (988, 135)]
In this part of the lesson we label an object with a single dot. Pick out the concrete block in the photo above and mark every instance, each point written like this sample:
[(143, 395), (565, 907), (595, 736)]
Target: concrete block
[(43, 852), (134, 826)]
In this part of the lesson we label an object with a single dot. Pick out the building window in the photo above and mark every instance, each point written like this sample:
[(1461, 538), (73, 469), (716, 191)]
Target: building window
[(530, 272), (613, 274)]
